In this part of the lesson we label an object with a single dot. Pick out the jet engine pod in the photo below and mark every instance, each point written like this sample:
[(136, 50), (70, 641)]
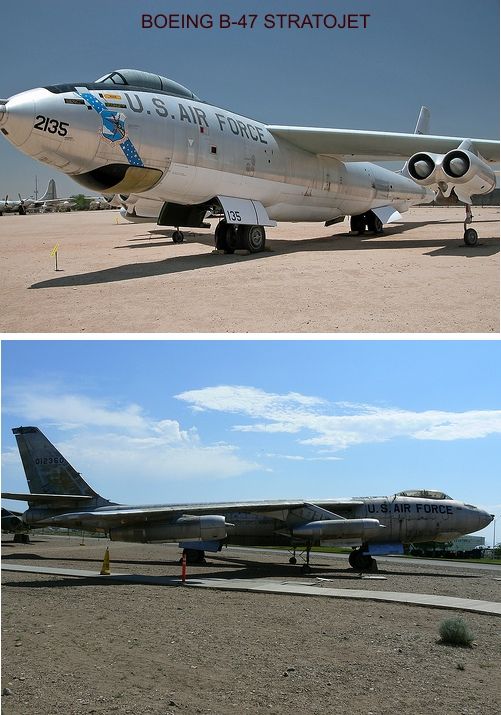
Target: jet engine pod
[(424, 167), (470, 172), (193, 528), (338, 529)]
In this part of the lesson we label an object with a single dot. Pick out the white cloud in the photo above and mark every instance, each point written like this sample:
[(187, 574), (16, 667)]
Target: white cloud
[(343, 424), (119, 444)]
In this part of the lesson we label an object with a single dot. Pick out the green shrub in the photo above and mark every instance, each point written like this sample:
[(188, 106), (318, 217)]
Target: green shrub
[(454, 631)]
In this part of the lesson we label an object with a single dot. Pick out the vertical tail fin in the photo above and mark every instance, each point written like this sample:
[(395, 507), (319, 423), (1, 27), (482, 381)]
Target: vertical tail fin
[(47, 471), (422, 127), (423, 122), (50, 192)]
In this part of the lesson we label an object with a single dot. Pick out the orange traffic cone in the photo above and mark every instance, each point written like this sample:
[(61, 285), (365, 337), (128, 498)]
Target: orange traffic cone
[(105, 568)]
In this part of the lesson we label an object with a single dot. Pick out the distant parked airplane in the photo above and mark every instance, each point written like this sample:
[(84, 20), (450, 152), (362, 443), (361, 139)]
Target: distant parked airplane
[(59, 496)]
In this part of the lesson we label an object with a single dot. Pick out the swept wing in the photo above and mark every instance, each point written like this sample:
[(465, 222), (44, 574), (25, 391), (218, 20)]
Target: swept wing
[(359, 145)]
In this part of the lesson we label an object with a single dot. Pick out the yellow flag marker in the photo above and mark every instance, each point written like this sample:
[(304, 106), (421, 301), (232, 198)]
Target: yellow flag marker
[(105, 568), (54, 253)]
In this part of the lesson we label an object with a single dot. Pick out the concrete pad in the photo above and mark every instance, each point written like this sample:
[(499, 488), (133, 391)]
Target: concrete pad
[(273, 587)]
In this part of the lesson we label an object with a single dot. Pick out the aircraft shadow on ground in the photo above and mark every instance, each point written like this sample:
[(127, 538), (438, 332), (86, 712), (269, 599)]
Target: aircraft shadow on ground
[(334, 243), (227, 568)]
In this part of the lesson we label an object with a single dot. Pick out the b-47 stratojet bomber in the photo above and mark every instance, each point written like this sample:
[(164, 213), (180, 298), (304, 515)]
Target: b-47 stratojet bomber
[(59, 496), (175, 159)]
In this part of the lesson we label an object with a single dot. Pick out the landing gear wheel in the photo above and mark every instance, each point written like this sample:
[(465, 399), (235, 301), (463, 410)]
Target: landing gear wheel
[(470, 237), (193, 556), (178, 236), (361, 562), (305, 568), (232, 238), (357, 223), (21, 538), (374, 223), (253, 238), (293, 560), (220, 236)]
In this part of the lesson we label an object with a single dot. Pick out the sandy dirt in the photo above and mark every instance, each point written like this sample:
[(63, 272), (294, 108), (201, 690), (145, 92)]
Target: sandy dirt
[(121, 277), (76, 646)]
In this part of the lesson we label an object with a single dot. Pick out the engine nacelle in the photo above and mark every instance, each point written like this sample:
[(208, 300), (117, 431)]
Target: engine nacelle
[(12, 522), (186, 528), (468, 173), (424, 168), (459, 169), (338, 529)]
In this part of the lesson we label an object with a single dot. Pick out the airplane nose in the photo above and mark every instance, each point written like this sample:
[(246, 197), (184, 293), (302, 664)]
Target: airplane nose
[(17, 115)]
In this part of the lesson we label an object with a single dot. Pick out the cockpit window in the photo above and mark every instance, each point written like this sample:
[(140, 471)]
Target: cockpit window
[(148, 80), (423, 494), (113, 78)]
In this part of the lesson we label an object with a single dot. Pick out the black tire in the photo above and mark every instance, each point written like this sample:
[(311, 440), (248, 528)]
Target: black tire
[(359, 561), (220, 236), (178, 236), (194, 557), (293, 560), (252, 238), (374, 223), (470, 237), (358, 223), (232, 238)]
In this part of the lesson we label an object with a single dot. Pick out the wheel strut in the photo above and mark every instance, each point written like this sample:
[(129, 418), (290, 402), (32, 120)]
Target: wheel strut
[(470, 236)]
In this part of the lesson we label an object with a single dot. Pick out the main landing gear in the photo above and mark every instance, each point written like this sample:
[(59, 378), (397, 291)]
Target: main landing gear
[(177, 236), (362, 562), (305, 568), (368, 221), (194, 557), (230, 238), (470, 236)]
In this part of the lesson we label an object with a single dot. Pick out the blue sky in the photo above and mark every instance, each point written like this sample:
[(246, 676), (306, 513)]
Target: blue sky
[(444, 54), (169, 421)]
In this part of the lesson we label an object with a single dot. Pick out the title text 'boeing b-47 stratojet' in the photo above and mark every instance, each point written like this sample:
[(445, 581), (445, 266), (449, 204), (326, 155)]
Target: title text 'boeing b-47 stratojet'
[(59, 496), (174, 158)]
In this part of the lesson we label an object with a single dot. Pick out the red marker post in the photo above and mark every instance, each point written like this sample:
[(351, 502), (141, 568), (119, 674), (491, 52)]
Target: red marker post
[(183, 568)]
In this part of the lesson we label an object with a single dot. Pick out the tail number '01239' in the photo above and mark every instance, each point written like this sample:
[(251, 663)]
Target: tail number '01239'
[(45, 124), (234, 216)]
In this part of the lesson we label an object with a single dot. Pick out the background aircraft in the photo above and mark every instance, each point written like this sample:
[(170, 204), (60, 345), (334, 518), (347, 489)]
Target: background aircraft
[(174, 158), (59, 496)]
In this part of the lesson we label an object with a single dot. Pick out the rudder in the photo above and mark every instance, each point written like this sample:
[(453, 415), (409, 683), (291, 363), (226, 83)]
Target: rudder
[(46, 470)]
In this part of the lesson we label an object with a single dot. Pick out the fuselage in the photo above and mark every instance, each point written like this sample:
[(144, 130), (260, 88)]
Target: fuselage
[(406, 519), (179, 149)]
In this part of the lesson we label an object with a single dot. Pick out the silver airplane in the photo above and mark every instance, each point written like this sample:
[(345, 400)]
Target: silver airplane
[(175, 159), (59, 496)]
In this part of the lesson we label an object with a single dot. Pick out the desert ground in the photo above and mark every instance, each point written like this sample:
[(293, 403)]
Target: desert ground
[(74, 646), (114, 276)]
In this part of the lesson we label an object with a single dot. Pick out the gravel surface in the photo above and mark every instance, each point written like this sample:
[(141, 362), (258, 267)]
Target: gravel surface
[(120, 277), (76, 646)]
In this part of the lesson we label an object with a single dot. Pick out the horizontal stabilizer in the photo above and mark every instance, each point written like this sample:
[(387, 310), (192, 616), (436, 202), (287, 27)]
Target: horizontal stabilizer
[(55, 499)]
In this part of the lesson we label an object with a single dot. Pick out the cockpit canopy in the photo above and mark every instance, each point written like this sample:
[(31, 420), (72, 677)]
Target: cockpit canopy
[(148, 80), (423, 494)]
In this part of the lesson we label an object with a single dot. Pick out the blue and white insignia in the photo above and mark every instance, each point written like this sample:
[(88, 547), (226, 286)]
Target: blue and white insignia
[(113, 125)]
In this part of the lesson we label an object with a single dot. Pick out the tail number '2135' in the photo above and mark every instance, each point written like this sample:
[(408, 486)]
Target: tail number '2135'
[(45, 124)]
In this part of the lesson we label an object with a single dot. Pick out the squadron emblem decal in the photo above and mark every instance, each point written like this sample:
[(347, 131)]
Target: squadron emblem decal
[(113, 129)]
